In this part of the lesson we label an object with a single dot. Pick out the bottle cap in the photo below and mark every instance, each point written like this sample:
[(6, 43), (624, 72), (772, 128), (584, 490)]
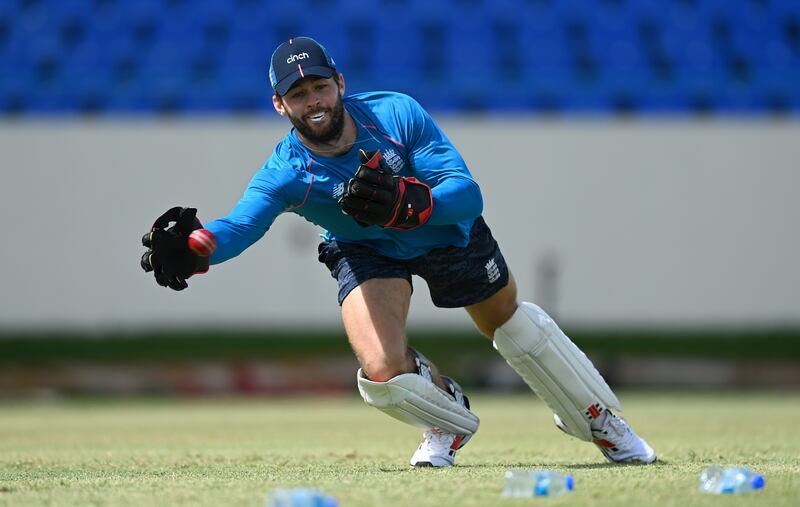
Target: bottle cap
[(758, 482), (569, 482)]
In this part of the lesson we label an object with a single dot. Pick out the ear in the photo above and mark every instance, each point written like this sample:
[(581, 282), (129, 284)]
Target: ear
[(341, 84), (278, 105)]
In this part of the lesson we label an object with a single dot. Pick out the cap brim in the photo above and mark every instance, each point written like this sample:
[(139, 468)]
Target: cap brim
[(286, 83)]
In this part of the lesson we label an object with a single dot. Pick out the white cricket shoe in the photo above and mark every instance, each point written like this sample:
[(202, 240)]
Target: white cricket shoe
[(616, 440), (438, 449)]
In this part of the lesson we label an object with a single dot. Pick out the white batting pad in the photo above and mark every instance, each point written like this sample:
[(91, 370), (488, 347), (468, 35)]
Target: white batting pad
[(415, 400), (555, 368)]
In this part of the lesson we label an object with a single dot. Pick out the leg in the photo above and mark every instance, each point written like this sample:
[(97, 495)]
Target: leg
[(563, 377), (559, 373), (400, 381), (556, 369), (374, 292), (374, 316)]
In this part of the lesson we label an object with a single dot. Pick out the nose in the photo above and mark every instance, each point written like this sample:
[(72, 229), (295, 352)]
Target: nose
[(313, 101)]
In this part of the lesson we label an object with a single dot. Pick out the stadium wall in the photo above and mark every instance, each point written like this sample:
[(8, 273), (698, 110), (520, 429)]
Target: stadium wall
[(638, 223)]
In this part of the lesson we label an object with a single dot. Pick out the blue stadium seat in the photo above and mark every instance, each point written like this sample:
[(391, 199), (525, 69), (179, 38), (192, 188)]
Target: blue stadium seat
[(568, 56)]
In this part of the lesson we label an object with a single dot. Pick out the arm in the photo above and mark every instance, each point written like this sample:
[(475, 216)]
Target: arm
[(455, 199), (250, 219), (456, 196)]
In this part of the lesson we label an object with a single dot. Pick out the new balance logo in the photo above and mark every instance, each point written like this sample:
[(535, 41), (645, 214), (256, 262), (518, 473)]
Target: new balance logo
[(492, 271), (294, 58), (338, 191)]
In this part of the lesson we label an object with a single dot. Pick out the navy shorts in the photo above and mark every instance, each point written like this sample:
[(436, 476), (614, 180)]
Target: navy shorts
[(456, 277)]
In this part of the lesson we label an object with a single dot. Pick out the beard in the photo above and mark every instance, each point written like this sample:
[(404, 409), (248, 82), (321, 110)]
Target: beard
[(331, 133)]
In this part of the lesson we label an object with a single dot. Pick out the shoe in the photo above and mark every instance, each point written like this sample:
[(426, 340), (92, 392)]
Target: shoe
[(616, 440), (438, 449)]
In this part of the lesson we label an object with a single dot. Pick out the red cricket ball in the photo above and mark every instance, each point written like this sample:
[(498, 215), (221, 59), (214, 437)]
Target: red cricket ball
[(202, 242)]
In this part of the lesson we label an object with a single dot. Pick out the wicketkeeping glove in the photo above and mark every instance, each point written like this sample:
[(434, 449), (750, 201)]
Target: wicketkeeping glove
[(168, 255), (375, 197)]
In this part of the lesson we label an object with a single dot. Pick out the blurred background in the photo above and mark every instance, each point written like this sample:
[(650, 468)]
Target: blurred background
[(640, 163)]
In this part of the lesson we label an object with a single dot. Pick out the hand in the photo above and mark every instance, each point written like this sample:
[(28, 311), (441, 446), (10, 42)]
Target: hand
[(169, 256), (375, 197)]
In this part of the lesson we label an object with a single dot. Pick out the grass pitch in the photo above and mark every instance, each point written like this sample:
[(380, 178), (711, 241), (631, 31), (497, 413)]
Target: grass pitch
[(232, 452)]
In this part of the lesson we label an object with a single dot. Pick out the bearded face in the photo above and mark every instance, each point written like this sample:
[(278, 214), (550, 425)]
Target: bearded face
[(321, 125)]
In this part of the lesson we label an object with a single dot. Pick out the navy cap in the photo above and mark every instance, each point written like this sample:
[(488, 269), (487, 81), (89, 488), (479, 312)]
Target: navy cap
[(297, 58)]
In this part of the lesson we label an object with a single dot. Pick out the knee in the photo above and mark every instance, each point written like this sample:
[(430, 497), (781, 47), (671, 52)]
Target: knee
[(498, 309), (382, 367), (505, 311), (500, 316)]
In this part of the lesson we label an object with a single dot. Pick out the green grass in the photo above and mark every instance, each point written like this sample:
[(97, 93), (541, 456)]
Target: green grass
[(232, 452)]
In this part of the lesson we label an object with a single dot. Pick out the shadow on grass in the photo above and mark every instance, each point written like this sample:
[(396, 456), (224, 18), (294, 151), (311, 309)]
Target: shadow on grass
[(576, 466), (600, 466)]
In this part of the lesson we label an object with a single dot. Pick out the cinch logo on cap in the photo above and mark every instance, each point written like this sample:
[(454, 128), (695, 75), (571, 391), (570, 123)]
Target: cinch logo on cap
[(294, 58), (298, 58)]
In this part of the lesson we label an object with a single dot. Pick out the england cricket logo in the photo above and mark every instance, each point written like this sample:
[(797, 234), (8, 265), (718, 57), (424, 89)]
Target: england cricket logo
[(393, 160)]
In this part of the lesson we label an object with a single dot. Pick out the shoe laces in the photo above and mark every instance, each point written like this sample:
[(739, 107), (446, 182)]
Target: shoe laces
[(435, 439)]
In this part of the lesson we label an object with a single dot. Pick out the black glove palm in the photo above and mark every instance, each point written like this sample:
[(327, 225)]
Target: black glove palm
[(168, 255)]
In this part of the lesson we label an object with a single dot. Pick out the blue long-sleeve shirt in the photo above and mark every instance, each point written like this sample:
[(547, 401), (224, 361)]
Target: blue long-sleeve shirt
[(296, 180)]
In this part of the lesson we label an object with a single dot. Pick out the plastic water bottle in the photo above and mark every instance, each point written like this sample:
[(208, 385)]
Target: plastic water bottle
[(725, 481), (300, 498), (528, 483)]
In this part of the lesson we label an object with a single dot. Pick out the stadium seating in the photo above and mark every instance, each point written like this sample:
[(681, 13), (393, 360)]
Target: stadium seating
[(628, 57)]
